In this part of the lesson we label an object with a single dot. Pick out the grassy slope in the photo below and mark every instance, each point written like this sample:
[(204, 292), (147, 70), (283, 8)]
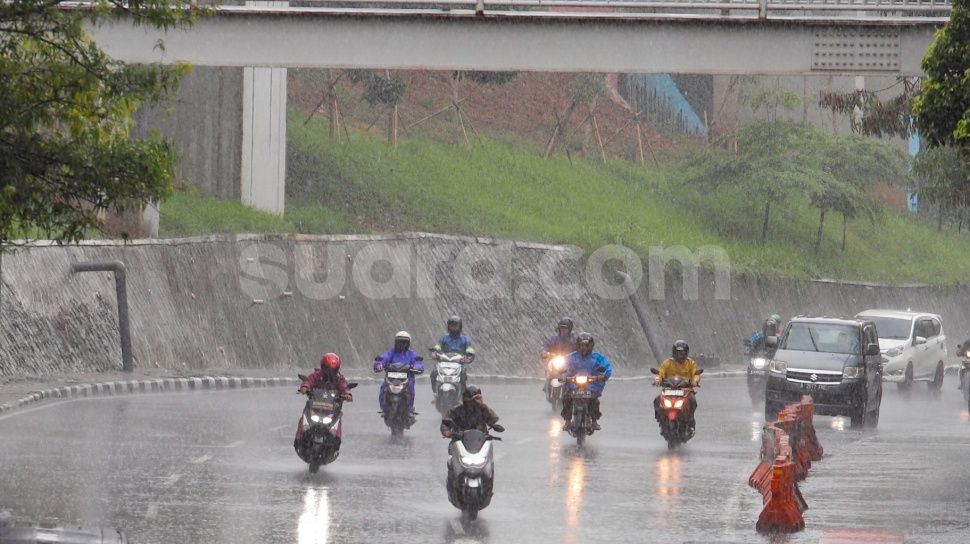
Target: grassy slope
[(509, 192)]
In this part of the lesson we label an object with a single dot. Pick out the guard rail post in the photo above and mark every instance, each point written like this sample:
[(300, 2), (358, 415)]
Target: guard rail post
[(121, 288)]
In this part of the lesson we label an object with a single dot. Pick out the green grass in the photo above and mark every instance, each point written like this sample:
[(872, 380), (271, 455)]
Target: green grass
[(507, 190)]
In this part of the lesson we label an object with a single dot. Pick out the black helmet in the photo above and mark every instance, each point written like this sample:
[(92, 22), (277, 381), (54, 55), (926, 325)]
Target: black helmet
[(565, 322), (453, 320), (470, 392), (770, 327), (585, 339), (680, 347)]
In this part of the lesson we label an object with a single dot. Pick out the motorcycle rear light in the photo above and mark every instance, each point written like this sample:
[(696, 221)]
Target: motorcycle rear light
[(672, 415)]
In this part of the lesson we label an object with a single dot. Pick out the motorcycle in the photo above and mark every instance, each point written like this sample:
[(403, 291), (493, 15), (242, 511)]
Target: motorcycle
[(450, 374), (964, 373), (554, 388), (675, 401), (757, 372), (471, 469), (396, 398), (581, 421), (322, 427)]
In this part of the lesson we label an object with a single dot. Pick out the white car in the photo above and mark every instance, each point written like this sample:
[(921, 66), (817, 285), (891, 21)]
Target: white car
[(913, 346)]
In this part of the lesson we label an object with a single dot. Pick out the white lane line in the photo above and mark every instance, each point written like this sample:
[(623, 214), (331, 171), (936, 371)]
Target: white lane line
[(236, 444), (456, 526), (202, 459), (152, 510), (170, 481)]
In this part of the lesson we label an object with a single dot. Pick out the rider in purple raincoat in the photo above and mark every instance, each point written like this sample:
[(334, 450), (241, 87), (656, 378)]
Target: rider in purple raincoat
[(401, 353)]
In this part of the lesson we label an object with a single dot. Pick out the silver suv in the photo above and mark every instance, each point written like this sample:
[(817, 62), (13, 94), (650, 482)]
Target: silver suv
[(834, 360), (913, 346)]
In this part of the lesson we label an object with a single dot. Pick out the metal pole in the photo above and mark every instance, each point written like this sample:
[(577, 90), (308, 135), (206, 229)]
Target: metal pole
[(641, 316), (121, 287)]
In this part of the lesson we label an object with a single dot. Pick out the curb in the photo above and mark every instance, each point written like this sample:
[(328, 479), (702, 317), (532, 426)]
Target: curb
[(221, 383)]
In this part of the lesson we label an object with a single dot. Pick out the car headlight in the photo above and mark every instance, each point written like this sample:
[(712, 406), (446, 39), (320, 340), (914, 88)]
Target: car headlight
[(778, 366), (759, 362), (853, 372), (895, 352)]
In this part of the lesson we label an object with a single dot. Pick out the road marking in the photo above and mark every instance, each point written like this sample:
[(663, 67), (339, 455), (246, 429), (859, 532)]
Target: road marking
[(172, 479), (236, 444), (456, 526), (152, 510), (202, 459), (279, 428)]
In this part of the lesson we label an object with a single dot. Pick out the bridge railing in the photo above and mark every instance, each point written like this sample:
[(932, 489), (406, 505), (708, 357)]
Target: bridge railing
[(761, 9)]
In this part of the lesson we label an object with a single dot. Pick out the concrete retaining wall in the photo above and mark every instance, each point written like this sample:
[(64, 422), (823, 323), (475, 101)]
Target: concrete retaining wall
[(268, 302)]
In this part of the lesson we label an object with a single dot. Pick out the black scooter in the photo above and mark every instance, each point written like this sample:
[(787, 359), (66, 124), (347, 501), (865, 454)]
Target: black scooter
[(397, 398), (322, 427)]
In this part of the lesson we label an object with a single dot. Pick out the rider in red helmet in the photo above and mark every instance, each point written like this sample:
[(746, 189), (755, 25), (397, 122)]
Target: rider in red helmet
[(328, 376)]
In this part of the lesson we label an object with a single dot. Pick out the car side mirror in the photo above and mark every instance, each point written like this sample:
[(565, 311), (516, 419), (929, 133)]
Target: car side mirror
[(919, 340), (872, 349)]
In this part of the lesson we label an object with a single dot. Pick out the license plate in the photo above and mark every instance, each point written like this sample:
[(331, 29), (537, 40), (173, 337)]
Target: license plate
[(811, 387), (318, 440), (673, 392)]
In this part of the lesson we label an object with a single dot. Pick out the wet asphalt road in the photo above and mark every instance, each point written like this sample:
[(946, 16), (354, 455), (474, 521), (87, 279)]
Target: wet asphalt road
[(219, 468)]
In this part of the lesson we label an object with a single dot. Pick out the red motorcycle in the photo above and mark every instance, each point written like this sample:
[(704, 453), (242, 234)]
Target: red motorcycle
[(675, 404)]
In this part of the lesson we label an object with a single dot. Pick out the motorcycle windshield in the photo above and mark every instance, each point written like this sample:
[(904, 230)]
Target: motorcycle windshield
[(451, 358), (323, 400), (473, 440)]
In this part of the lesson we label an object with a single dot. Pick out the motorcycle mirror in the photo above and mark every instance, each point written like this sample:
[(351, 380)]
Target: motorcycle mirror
[(498, 428), (700, 371), (302, 377), (352, 385), (448, 423), (600, 369), (654, 371), (378, 358), (419, 358)]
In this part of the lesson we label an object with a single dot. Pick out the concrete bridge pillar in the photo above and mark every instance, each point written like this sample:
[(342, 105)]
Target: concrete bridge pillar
[(263, 168)]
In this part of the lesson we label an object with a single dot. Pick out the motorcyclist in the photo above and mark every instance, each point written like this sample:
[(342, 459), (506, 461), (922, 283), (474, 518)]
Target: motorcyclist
[(328, 376), (679, 364), (453, 342), (561, 343), (472, 413), (771, 327), (401, 353), (585, 361)]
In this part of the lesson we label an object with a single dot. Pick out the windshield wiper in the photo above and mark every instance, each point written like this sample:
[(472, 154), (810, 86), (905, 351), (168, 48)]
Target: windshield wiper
[(812, 336)]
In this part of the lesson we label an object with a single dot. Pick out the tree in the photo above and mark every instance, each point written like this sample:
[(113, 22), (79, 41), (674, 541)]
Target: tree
[(386, 90), (584, 89), (941, 178), (943, 109), (66, 109)]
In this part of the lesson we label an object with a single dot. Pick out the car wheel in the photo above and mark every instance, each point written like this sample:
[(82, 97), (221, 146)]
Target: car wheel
[(937, 382), (859, 418), (907, 382)]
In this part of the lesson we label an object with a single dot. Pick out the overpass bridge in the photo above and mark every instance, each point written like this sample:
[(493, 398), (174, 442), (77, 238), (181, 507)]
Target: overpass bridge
[(757, 37)]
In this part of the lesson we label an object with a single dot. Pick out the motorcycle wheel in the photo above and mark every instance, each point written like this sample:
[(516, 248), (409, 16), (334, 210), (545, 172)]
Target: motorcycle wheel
[(314, 467), (472, 514)]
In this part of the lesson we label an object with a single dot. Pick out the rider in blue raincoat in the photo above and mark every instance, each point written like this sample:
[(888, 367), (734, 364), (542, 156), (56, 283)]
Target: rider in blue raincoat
[(585, 361), (453, 342), (401, 353)]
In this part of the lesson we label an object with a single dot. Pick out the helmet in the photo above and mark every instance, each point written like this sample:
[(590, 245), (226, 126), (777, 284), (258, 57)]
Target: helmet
[(453, 320), (680, 346), (565, 322), (776, 318), (470, 392), (330, 361), (584, 339), (770, 327), (402, 341)]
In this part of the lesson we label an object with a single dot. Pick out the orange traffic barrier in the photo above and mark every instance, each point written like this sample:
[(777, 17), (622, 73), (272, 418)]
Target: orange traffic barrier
[(781, 512)]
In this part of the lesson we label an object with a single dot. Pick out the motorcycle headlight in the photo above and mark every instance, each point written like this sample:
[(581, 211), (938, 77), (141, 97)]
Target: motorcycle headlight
[(326, 420), (853, 372), (315, 418), (778, 366), (759, 362), (473, 461), (894, 352), (581, 380), (558, 362), (967, 354)]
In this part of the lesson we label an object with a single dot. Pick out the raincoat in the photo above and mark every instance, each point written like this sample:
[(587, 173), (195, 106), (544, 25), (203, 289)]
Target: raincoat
[(407, 357), (456, 344), (577, 364)]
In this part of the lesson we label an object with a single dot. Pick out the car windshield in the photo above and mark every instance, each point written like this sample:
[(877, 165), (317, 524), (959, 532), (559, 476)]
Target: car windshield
[(893, 328), (823, 337)]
